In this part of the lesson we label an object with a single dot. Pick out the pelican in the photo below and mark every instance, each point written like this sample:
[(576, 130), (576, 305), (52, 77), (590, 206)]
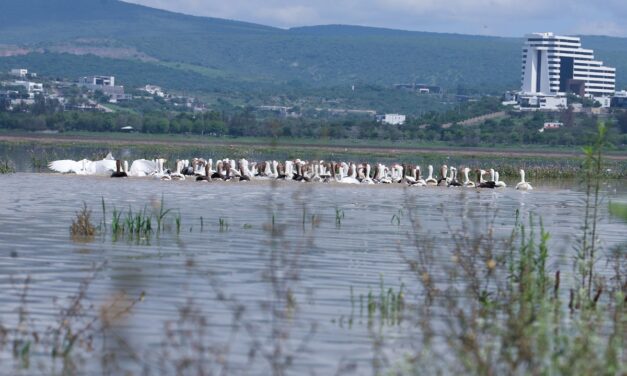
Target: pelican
[(105, 166), (453, 182), (67, 166), (430, 180), (499, 184), (467, 182), (120, 169), (523, 185), (142, 167), (444, 180), (481, 183)]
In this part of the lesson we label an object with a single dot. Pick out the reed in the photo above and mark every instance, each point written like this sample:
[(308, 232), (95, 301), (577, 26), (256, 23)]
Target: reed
[(82, 228), (339, 216), (6, 168), (223, 225)]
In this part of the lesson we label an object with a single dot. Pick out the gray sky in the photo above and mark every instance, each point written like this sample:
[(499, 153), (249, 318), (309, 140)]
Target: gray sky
[(490, 17)]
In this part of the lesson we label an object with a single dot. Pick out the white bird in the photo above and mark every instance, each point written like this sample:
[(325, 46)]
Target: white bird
[(430, 180), (523, 185), (67, 166), (498, 183), (85, 167), (467, 182), (142, 167)]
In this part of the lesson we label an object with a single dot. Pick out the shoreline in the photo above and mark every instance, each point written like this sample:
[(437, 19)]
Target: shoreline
[(282, 145)]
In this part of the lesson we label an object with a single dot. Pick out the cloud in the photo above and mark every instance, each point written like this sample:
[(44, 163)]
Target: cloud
[(495, 17)]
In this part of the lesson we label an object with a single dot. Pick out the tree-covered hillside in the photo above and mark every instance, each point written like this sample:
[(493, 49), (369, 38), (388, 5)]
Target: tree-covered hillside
[(225, 52)]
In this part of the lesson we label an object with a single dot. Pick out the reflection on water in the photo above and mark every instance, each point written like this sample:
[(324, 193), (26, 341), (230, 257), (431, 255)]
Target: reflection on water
[(294, 285)]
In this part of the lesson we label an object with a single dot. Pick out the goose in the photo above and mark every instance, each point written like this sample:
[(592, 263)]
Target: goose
[(467, 182), (120, 169), (499, 184), (523, 185), (430, 180)]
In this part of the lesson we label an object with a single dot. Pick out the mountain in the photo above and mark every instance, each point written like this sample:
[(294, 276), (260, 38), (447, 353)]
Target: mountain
[(216, 54)]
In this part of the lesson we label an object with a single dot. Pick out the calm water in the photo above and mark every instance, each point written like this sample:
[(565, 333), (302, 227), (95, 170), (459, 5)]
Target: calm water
[(238, 262)]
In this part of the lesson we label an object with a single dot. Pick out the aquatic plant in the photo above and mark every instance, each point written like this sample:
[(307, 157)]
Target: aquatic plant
[(6, 168), (618, 210), (82, 229), (339, 216), (508, 313), (223, 225), (161, 215)]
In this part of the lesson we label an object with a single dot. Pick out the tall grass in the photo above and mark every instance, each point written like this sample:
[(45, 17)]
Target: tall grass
[(509, 313), (6, 168)]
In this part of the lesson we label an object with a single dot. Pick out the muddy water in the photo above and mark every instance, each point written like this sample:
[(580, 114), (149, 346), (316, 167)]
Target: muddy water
[(256, 244)]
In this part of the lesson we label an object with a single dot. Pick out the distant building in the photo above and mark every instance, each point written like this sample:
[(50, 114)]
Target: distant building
[(97, 81), (553, 64), (154, 90), (392, 119), (551, 125), (542, 102), (105, 84), (619, 100), (19, 72), (420, 88), (605, 102), (32, 88)]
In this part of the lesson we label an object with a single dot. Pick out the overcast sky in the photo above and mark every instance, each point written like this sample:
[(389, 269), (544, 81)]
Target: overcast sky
[(490, 17)]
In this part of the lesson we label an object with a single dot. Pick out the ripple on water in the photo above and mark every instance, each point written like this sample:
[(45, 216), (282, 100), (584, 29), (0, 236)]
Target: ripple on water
[(367, 247)]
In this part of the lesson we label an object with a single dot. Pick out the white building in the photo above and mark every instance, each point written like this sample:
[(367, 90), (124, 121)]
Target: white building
[(154, 90), (553, 64), (97, 81), (392, 119), (31, 87), (107, 85), (531, 102), (19, 72)]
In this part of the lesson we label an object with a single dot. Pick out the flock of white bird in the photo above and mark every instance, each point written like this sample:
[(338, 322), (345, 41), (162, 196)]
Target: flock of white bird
[(306, 171)]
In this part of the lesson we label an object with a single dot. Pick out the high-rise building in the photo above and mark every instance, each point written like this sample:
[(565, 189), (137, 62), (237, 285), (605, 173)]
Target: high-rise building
[(553, 64)]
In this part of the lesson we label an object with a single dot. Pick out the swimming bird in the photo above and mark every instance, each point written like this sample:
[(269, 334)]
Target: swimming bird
[(467, 182), (499, 184), (453, 182), (120, 170), (142, 167), (443, 181), (430, 180), (523, 185), (482, 183)]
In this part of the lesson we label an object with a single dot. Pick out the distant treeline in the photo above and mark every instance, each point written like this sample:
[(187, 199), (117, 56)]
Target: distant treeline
[(515, 129)]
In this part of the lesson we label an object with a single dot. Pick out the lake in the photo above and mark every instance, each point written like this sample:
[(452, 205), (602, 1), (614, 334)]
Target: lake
[(257, 276)]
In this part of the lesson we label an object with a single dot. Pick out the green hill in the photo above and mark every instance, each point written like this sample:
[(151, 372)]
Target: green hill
[(214, 54)]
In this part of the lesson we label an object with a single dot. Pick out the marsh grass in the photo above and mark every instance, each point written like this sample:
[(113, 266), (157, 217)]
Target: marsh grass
[(82, 229), (339, 217), (6, 168), (507, 312), (76, 328)]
